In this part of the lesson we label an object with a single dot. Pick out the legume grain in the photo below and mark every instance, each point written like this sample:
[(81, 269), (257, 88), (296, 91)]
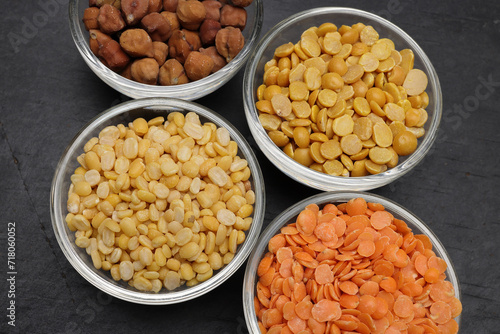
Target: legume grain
[(343, 85), (353, 267), (161, 203)]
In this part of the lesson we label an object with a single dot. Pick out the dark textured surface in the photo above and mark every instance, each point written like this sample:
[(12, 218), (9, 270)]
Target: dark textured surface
[(47, 94)]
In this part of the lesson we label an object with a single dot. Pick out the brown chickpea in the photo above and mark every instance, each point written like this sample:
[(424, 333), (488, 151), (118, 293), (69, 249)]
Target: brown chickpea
[(124, 31), (181, 43), (157, 26), (155, 6), (229, 42), (137, 43), (212, 7), (172, 73), (145, 71), (191, 13), (110, 20), (134, 10), (198, 65), (90, 18), (170, 5), (161, 52), (242, 3), (219, 61), (113, 56), (233, 16), (172, 19), (208, 30)]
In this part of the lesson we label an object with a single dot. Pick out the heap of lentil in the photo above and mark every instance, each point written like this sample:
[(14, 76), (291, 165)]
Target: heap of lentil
[(161, 203), (353, 267), (343, 101)]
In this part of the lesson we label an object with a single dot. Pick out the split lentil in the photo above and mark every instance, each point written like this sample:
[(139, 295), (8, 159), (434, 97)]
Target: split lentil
[(353, 267), (170, 199), (345, 85)]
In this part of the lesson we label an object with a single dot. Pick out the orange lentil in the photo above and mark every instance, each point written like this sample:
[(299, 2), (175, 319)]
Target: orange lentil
[(289, 311), (382, 307), (276, 243), (367, 304), (348, 301), (353, 267), (449, 327), (303, 309), (356, 206), (375, 206), (369, 288), (348, 287), (326, 310), (306, 222)]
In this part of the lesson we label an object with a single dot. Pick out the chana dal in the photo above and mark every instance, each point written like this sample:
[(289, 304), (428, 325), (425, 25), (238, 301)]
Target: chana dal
[(161, 203)]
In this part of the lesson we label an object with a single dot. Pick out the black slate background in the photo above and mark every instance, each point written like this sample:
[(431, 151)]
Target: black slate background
[(47, 94)]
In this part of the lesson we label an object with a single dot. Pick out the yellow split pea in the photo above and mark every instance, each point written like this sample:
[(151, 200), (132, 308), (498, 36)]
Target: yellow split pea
[(343, 101), (161, 203)]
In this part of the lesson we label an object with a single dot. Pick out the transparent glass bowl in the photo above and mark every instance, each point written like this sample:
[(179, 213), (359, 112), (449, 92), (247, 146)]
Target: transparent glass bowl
[(289, 30), (123, 114), (289, 216), (189, 91)]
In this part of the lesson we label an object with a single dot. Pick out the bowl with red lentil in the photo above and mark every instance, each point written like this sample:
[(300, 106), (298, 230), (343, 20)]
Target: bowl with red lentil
[(157, 201), (350, 261), (141, 47), (341, 99)]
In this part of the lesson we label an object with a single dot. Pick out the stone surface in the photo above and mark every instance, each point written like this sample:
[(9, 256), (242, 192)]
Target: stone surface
[(48, 93)]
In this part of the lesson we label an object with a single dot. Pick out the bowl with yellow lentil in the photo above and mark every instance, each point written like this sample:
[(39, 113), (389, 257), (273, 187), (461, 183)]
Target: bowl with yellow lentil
[(157, 201), (341, 99), (350, 261)]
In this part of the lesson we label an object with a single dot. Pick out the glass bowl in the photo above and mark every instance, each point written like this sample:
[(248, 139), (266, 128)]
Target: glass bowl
[(190, 91), (289, 30), (336, 197), (81, 261)]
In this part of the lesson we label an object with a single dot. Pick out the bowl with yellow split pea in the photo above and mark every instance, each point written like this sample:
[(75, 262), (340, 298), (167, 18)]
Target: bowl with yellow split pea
[(157, 201), (341, 99)]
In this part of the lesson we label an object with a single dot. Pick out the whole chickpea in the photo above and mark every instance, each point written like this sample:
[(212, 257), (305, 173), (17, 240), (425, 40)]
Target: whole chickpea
[(198, 65), (182, 43), (134, 10), (157, 26), (233, 16), (190, 13), (172, 73), (219, 61), (229, 42), (145, 71)]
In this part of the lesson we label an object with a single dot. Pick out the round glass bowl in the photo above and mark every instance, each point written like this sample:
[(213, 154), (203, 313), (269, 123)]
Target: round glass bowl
[(289, 216), (290, 30), (81, 261), (190, 91)]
